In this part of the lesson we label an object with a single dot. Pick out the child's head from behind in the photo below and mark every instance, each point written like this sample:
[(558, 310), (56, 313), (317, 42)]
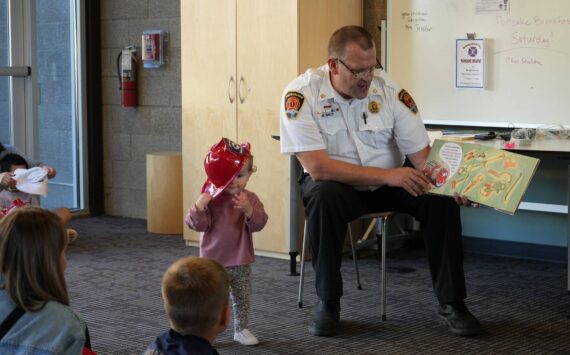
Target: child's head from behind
[(11, 162), (196, 295), (32, 257)]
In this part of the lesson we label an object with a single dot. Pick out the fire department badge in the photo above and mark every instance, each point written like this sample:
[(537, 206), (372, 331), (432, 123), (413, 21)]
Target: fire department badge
[(293, 103), (407, 100), (374, 106)]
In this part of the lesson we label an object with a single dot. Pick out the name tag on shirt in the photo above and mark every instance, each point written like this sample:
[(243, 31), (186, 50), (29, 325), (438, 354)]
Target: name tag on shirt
[(327, 109)]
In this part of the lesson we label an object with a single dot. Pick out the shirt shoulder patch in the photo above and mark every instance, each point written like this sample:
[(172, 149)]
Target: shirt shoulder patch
[(407, 100), (293, 102)]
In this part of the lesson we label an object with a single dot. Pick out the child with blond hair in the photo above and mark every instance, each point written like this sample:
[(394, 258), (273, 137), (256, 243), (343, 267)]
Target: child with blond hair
[(195, 292)]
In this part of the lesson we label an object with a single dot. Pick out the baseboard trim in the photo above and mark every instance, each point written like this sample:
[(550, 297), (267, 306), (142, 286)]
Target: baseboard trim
[(517, 250)]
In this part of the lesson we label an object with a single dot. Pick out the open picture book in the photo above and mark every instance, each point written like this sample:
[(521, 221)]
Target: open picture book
[(489, 176)]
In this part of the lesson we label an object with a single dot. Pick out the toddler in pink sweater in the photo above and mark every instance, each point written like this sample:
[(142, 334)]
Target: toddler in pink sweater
[(227, 214)]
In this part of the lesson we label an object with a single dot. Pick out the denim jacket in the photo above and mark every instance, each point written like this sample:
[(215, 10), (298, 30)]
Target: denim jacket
[(56, 329)]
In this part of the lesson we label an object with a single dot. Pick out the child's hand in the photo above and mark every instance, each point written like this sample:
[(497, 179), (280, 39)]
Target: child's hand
[(50, 171), (203, 201), (242, 202), (7, 180)]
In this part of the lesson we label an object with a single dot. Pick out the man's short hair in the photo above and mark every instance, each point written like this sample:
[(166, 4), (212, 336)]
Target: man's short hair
[(195, 290), (349, 34)]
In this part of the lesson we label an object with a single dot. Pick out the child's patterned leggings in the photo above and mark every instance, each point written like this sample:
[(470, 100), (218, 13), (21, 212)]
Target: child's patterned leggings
[(240, 291)]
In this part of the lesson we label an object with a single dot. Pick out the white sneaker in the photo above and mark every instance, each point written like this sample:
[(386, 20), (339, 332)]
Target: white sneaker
[(245, 338)]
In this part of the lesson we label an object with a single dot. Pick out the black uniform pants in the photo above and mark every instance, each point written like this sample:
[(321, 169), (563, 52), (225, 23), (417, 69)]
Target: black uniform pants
[(330, 205)]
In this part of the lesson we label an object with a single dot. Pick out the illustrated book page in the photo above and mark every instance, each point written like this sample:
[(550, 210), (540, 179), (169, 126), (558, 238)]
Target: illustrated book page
[(489, 176)]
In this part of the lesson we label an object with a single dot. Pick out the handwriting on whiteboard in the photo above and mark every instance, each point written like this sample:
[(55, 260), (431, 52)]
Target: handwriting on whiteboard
[(416, 21)]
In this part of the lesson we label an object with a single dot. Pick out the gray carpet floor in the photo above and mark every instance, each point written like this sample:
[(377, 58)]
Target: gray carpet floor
[(115, 267)]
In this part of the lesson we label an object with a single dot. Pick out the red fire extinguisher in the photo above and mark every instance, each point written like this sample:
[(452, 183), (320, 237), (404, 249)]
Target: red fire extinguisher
[(127, 73)]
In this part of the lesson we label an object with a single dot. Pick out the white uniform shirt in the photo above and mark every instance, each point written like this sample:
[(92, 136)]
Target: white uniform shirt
[(375, 131)]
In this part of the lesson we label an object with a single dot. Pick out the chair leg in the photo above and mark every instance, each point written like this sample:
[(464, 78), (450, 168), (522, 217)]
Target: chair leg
[(354, 258), (383, 271), (302, 278)]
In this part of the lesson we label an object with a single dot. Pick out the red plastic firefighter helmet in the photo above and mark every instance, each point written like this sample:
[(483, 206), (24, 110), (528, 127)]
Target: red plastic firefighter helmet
[(222, 163)]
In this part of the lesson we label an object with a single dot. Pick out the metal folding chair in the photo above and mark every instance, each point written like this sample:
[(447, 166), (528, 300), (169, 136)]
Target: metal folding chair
[(385, 216)]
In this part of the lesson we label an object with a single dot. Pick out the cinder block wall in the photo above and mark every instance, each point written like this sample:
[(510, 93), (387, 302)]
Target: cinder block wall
[(154, 126)]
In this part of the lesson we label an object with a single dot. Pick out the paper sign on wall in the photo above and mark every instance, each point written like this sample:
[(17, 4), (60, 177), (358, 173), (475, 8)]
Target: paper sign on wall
[(470, 64)]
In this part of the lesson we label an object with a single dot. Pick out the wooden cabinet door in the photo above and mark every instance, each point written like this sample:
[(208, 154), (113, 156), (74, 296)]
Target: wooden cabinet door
[(318, 19), (249, 50), (208, 37), (267, 61)]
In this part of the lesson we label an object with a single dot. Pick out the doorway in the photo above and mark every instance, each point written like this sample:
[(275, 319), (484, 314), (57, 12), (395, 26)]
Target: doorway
[(42, 100)]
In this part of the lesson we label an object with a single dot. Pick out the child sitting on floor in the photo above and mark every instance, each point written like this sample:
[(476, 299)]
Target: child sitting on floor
[(195, 292), (11, 196)]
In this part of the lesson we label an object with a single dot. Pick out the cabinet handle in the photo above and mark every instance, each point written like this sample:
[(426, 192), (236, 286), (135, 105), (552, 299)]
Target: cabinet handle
[(229, 88), (241, 99)]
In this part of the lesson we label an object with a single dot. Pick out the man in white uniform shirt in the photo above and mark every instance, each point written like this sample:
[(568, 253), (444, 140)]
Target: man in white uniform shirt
[(351, 127)]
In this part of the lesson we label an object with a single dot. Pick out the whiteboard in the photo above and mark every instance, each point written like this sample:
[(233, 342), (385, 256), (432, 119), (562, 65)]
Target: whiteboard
[(527, 60)]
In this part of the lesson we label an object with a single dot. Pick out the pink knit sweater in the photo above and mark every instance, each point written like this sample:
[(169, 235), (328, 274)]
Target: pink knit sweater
[(226, 232)]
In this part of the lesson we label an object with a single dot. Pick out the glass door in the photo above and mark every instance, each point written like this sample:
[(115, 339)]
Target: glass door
[(5, 115), (4, 80), (42, 114)]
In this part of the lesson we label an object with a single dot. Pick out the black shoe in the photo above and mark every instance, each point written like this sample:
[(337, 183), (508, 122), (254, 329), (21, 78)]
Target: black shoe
[(459, 319), (325, 322)]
